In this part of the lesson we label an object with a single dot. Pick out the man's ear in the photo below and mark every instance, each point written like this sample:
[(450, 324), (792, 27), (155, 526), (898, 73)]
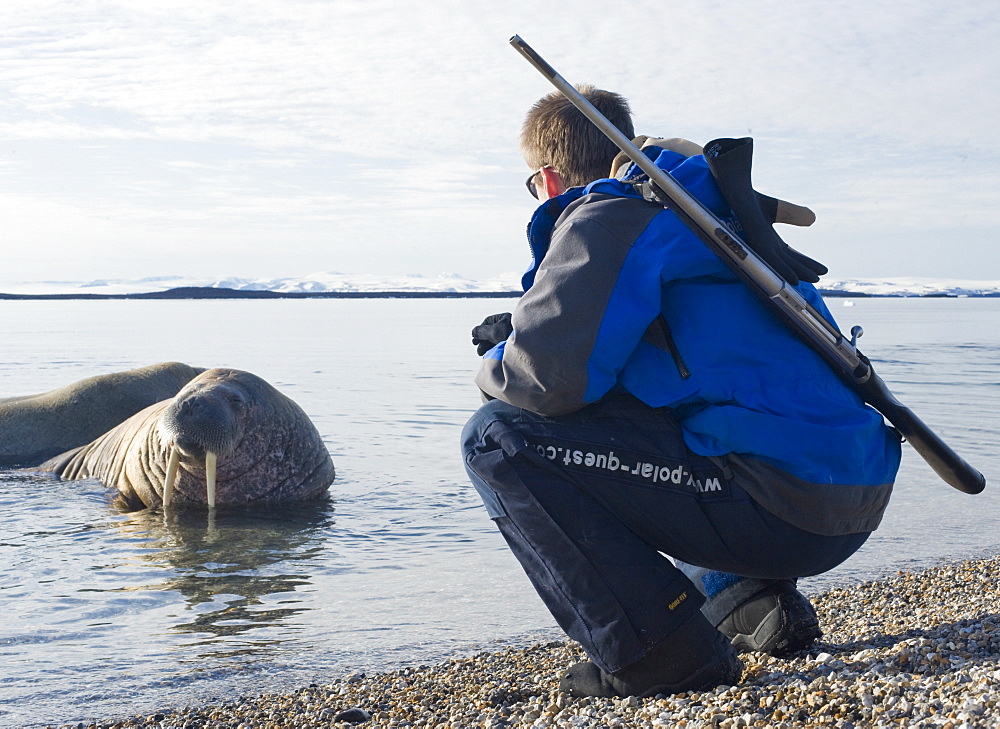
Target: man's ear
[(551, 183)]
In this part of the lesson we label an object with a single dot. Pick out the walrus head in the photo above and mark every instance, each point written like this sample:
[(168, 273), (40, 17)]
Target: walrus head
[(205, 420), (230, 429)]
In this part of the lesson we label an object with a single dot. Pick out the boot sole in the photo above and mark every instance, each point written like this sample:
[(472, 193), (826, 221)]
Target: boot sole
[(769, 637), (706, 679)]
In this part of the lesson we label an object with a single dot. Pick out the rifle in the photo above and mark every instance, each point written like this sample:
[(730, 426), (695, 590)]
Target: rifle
[(788, 304)]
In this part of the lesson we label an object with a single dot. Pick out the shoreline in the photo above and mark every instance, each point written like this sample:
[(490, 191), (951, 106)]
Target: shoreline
[(912, 649), (186, 293)]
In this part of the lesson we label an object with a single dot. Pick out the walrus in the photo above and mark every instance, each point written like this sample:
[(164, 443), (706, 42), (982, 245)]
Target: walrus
[(34, 428), (227, 437)]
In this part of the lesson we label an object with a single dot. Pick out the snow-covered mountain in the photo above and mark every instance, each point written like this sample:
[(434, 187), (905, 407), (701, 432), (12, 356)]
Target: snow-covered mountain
[(334, 281), (313, 283), (911, 286)]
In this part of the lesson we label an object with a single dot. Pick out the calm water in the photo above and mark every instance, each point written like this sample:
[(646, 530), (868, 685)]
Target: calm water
[(108, 614)]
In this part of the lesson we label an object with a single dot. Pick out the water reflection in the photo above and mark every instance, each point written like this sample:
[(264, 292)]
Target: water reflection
[(229, 565)]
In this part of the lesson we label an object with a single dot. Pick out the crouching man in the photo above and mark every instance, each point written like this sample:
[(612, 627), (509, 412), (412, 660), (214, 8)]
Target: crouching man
[(663, 457)]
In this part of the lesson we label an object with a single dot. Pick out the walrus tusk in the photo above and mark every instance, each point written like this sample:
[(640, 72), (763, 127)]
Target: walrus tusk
[(210, 478), (168, 484)]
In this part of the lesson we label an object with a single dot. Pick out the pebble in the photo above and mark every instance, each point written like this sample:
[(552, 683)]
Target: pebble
[(353, 716), (914, 649)]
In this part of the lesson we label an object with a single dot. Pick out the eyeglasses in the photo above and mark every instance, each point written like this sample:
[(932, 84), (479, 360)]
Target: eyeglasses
[(530, 182)]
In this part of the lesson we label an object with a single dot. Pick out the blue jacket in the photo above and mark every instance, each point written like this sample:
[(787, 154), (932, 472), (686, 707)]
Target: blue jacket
[(606, 265)]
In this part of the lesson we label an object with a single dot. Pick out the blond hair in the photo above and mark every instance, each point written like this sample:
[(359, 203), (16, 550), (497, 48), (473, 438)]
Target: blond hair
[(557, 134)]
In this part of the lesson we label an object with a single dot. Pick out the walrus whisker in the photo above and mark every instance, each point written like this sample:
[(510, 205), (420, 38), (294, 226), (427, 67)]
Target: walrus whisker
[(168, 484), (210, 478)]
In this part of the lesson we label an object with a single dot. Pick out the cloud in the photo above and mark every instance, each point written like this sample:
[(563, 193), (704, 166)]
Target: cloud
[(194, 121)]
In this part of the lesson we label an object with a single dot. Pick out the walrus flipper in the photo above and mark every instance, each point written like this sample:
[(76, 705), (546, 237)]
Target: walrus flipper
[(59, 464), (116, 459)]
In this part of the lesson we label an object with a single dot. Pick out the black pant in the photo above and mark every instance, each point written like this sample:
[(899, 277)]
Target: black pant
[(590, 504)]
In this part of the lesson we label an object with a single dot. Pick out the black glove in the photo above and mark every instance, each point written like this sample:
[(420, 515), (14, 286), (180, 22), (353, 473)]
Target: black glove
[(730, 161), (806, 268), (494, 329)]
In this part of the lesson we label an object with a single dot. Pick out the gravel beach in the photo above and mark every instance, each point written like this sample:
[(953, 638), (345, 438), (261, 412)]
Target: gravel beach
[(915, 650)]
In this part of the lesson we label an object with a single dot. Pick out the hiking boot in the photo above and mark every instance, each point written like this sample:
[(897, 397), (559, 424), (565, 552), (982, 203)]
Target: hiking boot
[(777, 620), (696, 657)]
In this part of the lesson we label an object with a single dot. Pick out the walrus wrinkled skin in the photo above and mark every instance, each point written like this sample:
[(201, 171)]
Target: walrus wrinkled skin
[(228, 437), (37, 427)]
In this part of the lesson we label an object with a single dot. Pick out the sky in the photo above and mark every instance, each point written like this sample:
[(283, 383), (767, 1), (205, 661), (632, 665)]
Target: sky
[(270, 139)]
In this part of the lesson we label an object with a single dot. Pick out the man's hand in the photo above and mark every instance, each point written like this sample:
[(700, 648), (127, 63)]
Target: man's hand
[(494, 329)]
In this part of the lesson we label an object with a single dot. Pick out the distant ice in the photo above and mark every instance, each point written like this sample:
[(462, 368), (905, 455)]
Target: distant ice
[(324, 281)]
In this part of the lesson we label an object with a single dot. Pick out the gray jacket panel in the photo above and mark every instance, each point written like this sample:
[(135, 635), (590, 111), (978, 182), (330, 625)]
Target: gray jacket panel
[(557, 320)]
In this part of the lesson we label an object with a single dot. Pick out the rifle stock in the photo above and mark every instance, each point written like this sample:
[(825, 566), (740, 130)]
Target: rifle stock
[(840, 353), (947, 464)]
